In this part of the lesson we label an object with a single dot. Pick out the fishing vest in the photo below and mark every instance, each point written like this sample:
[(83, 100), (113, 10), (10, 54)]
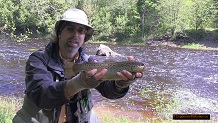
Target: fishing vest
[(31, 113)]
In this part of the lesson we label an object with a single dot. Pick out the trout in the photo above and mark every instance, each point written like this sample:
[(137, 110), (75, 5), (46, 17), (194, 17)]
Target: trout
[(71, 69)]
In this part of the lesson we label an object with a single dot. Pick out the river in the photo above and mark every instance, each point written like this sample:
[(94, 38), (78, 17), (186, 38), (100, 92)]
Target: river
[(188, 78)]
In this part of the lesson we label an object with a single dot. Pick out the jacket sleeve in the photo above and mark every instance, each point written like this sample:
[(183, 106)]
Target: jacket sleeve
[(108, 90), (40, 86)]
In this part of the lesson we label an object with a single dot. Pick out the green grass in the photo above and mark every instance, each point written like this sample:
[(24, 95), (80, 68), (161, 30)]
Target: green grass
[(136, 42), (8, 108), (197, 46), (194, 46)]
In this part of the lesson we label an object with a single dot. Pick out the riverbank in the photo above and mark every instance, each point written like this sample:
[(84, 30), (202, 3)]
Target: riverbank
[(208, 42), (203, 45), (10, 105)]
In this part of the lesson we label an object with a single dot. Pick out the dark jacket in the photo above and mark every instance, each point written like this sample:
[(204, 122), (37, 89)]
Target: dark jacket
[(43, 68)]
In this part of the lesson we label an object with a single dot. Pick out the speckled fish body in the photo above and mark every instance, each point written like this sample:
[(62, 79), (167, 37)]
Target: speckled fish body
[(111, 66)]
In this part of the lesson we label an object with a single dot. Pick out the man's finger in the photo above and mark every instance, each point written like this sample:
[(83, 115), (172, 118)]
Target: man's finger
[(127, 74), (92, 72), (138, 75), (100, 74), (130, 58), (95, 61), (122, 76)]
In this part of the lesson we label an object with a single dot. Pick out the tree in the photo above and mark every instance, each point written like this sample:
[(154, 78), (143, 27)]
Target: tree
[(148, 15), (171, 13), (204, 13), (120, 19)]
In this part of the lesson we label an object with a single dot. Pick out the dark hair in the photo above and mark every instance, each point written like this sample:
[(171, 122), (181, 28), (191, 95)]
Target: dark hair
[(61, 26)]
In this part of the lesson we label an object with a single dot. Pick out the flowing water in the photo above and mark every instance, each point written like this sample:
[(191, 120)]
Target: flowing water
[(188, 78)]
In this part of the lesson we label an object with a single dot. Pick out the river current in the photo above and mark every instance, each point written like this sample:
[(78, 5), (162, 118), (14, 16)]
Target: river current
[(188, 78)]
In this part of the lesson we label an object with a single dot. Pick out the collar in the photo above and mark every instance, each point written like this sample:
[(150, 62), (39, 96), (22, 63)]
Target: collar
[(76, 57), (55, 60)]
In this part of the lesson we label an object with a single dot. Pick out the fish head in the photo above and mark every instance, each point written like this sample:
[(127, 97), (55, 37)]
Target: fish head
[(140, 67)]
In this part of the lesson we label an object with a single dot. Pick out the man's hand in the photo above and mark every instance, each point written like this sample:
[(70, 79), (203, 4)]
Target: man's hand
[(127, 77), (84, 80), (95, 74)]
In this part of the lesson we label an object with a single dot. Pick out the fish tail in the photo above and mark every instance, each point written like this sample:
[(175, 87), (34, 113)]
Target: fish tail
[(68, 69)]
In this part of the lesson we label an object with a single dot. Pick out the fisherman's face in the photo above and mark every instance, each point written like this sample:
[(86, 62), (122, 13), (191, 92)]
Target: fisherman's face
[(71, 38)]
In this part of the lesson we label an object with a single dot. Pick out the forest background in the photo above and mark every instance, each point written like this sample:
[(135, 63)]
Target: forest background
[(115, 20)]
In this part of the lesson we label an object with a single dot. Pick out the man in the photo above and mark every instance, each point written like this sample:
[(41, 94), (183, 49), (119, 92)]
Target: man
[(52, 97)]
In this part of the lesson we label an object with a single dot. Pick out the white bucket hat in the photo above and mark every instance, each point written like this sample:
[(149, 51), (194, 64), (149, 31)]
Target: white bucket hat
[(77, 16)]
